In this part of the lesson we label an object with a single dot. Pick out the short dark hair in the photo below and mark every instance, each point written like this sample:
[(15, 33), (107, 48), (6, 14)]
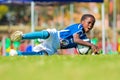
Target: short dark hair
[(86, 16)]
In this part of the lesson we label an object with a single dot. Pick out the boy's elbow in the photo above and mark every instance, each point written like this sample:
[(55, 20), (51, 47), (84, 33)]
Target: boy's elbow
[(76, 41), (76, 38)]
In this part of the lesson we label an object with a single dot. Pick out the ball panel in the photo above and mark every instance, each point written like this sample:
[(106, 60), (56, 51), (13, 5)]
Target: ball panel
[(83, 49)]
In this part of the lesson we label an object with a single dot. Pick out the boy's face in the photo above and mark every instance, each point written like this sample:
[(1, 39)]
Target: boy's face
[(88, 24)]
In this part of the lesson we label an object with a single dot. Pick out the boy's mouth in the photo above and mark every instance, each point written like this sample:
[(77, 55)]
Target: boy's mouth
[(87, 30)]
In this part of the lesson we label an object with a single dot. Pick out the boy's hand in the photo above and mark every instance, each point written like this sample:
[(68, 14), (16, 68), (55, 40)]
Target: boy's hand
[(95, 49)]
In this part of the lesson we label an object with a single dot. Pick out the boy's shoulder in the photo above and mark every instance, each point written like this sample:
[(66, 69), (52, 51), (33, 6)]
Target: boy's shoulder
[(75, 26)]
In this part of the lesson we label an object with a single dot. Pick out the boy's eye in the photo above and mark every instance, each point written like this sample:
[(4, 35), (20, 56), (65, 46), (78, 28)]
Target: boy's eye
[(89, 22)]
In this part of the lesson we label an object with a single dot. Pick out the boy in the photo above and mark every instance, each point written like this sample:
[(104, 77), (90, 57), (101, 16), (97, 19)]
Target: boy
[(63, 39)]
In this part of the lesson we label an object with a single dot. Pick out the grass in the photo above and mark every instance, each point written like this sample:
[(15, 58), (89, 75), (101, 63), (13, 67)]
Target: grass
[(60, 67)]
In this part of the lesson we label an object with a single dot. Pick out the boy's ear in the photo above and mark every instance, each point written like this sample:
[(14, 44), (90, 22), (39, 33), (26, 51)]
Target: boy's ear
[(82, 22)]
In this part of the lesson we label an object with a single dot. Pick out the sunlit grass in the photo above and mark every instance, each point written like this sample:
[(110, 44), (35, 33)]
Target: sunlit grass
[(60, 67)]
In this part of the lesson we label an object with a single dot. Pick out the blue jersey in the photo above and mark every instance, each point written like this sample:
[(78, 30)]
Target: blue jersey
[(66, 35)]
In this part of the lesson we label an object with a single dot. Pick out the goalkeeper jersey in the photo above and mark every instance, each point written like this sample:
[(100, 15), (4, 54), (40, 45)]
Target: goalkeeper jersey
[(66, 35)]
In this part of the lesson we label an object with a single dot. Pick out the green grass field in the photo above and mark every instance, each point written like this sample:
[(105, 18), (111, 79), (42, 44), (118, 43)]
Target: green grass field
[(60, 67)]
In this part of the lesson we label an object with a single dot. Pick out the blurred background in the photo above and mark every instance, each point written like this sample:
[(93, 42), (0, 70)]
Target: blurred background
[(35, 16)]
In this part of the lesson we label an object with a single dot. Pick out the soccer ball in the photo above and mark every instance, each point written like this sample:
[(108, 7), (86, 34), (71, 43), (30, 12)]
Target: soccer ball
[(13, 52), (81, 49)]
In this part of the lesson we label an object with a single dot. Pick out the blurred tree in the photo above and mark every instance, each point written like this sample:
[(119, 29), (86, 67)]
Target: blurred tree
[(118, 6), (3, 10)]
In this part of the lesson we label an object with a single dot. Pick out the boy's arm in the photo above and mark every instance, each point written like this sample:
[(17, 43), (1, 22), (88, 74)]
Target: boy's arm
[(81, 42)]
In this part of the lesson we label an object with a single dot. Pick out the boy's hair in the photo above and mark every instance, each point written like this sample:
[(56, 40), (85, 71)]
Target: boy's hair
[(86, 16)]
